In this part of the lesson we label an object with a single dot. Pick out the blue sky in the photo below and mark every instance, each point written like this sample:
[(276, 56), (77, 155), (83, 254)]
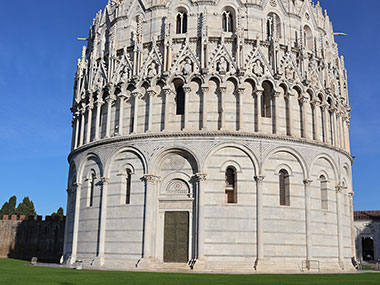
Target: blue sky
[(38, 53)]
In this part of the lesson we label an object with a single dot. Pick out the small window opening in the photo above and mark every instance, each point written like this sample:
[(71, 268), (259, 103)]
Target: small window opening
[(231, 191), (92, 188), (181, 23), (128, 187), (284, 188), (227, 22), (324, 192), (180, 101)]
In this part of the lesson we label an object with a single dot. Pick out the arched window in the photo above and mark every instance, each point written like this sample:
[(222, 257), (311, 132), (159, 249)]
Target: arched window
[(284, 188), (181, 23), (308, 40), (92, 189), (324, 192), (180, 100), (273, 26), (228, 21), (128, 187), (322, 118), (231, 189)]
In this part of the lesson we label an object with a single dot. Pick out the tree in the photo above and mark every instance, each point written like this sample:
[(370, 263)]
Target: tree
[(59, 214), (26, 208), (9, 208)]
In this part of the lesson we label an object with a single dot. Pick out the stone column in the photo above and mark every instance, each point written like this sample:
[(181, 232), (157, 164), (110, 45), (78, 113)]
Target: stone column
[(137, 96), (151, 182), (276, 96), (324, 113), (241, 91), (290, 113), (303, 102), (333, 126), (110, 100), (103, 219), (76, 118), (339, 193), (259, 219), (200, 179), (186, 119), (122, 98), (89, 122), (347, 123), (352, 225), (259, 94), (223, 90), (99, 104), (339, 128), (82, 123), (309, 256), (167, 92), (316, 120), (77, 192), (205, 90), (151, 93)]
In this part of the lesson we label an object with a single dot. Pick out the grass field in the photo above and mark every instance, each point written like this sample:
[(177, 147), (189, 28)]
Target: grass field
[(18, 272)]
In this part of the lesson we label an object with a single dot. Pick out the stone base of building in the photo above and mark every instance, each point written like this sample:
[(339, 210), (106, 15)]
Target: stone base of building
[(246, 266)]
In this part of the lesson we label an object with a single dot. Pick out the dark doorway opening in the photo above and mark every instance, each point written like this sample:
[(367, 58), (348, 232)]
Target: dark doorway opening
[(368, 249), (176, 237)]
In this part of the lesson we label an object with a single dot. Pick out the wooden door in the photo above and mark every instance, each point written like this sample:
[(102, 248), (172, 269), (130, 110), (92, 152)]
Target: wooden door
[(176, 237)]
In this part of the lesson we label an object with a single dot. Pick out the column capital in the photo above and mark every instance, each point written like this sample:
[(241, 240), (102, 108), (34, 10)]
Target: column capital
[(77, 184), (111, 99), (151, 92), (200, 177), (152, 179), (276, 94), (186, 88), (137, 94), (259, 91), (307, 182), (259, 178), (303, 100), (315, 103), (167, 90), (351, 194), (339, 188), (99, 102), (240, 90), (105, 180), (205, 88), (124, 96), (223, 89)]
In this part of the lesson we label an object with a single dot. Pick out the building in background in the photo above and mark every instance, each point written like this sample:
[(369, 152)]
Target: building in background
[(367, 227), (211, 135)]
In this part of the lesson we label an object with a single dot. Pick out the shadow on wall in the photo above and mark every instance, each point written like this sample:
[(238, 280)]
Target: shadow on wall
[(22, 238)]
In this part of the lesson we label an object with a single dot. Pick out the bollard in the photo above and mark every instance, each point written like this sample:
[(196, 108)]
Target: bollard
[(78, 265), (34, 261)]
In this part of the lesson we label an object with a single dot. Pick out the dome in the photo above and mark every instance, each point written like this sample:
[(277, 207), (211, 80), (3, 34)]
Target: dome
[(211, 135)]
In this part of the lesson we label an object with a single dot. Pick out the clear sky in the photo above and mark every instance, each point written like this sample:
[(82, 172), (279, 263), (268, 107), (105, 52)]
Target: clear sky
[(38, 54)]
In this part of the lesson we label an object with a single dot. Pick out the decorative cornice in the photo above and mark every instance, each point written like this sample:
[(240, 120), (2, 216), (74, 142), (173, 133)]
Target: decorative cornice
[(205, 134)]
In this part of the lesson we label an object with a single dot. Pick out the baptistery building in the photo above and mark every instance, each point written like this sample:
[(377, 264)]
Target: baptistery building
[(211, 135)]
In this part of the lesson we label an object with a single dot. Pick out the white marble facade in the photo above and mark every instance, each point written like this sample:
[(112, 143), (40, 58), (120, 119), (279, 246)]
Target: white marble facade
[(235, 112)]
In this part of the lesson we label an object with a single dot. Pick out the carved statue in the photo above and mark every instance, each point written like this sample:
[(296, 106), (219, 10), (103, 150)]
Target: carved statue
[(222, 65), (258, 68), (188, 67), (289, 73), (152, 71)]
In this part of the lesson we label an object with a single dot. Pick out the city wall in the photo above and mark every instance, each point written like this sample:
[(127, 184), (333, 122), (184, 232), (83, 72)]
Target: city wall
[(24, 238)]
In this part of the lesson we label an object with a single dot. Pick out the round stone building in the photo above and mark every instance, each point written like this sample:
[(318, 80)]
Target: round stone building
[(211, 135)]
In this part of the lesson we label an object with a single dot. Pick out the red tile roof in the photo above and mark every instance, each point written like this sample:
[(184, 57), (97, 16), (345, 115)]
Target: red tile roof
[(366, 215)]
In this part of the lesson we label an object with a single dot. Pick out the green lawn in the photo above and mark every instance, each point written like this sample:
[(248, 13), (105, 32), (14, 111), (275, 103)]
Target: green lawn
[(17, 272)]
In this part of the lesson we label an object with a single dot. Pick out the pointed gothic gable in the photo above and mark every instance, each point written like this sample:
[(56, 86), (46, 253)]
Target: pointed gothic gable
[(306, 8), (279, 3), (251, 63), (186, 52), (100, 76), (122, 64), (288, 62), (154, 56), (315, 75), (219, 53)]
